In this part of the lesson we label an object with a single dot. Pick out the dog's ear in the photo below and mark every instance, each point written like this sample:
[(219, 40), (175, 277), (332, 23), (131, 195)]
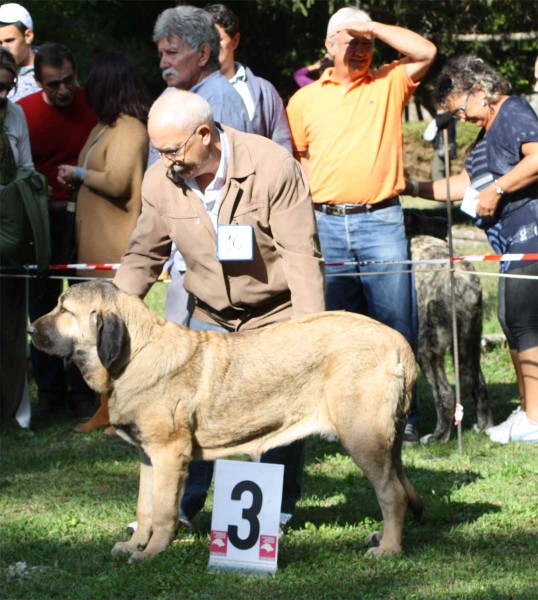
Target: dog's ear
[(112, 337)]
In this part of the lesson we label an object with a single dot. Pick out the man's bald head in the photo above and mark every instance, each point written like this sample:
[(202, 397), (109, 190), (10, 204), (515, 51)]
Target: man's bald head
[(180, 110), (182, 131)]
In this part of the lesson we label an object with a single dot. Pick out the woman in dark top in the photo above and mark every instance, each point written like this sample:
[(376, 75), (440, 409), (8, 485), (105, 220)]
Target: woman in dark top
[(502, 168)]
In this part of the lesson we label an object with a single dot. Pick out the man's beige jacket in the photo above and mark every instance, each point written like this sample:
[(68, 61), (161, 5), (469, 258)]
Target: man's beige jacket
[(265, 187)]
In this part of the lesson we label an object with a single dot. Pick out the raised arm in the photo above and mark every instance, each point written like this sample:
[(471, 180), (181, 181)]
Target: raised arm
[(419, 52)]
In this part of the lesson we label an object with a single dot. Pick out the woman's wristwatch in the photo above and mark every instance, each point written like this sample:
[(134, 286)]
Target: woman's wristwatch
[(498, 188)]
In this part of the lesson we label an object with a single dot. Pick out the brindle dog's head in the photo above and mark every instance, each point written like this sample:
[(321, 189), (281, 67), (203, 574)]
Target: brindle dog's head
[(85, 327)]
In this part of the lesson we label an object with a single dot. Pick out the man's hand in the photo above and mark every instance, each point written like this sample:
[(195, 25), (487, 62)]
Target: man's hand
[(357, 27), (65, 175)]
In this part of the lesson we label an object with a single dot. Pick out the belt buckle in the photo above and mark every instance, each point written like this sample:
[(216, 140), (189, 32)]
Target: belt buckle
[(340, 210)]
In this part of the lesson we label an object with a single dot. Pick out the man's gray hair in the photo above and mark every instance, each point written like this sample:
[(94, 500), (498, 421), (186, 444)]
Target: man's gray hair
[(193, 25), (183, 110), (345, 15)]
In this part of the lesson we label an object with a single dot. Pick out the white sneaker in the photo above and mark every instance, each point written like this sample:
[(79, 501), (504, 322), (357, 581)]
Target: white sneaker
[(520, 430), (504, 426), (524, 431)]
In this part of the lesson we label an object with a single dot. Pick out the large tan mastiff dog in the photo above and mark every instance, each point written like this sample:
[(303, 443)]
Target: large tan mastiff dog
[(182, 395)]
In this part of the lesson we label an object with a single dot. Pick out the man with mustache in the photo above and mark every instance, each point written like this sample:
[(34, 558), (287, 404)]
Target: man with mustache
[(349, 124), (189, 44)]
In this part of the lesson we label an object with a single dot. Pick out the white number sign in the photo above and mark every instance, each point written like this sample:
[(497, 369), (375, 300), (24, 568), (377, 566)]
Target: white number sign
[(235, 242), (246, 517)]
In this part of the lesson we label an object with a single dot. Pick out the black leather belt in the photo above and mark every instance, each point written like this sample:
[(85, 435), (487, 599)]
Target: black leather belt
[(56, 206), (341, 210)]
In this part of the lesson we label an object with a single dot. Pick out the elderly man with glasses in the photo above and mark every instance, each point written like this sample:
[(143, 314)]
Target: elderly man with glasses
[(347, 132), (212, 187)]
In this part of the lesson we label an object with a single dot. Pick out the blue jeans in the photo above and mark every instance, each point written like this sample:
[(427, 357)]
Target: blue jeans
[(372, 236), (201, 472)]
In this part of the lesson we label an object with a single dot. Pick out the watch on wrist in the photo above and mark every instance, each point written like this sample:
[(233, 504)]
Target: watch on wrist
[(498, 188)]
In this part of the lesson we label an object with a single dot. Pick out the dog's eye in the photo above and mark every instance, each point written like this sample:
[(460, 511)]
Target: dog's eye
[(62, 310)]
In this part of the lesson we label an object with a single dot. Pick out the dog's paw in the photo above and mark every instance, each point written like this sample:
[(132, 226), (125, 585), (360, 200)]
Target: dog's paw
[(373, 539), (123, 548), (379, 551), (139, 555), (482, 429), (142, 554)]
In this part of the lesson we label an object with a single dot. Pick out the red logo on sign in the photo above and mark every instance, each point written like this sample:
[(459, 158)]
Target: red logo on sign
[(219, 542), (268, 546)]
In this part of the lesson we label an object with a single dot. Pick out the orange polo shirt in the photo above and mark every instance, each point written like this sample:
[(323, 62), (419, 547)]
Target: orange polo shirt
[(353, 136)]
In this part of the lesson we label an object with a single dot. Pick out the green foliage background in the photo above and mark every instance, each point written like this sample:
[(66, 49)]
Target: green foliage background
[(280, 36)]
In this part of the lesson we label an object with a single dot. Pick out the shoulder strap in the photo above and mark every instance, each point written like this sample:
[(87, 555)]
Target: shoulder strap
[(92, 146)]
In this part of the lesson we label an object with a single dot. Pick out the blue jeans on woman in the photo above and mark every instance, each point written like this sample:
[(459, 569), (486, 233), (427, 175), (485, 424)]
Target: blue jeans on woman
[(376, 236), (201, 472)]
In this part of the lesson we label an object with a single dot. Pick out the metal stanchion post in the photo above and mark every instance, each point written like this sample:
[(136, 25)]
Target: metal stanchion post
[(452, 286)]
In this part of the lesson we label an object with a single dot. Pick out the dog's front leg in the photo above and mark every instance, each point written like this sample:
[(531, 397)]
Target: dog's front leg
[(170, 468), (141, 536)]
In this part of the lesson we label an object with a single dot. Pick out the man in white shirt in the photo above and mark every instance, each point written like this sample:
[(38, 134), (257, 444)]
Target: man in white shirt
[(17, 35), (264, 105)]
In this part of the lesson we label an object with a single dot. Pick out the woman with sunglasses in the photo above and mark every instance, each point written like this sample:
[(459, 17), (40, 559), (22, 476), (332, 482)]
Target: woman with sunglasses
[(14, 153), (502, 172)]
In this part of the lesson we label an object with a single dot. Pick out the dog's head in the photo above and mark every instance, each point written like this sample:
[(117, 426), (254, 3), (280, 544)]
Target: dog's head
[(86, 327)]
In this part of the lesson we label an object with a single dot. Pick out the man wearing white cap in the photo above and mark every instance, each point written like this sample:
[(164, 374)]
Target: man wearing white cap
[(17, 35)]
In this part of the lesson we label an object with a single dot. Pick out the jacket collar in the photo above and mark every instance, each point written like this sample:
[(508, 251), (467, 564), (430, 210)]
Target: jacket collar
[(240, 164)]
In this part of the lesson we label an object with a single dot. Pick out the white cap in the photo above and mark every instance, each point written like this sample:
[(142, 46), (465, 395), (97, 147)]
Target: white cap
[(11, 13)]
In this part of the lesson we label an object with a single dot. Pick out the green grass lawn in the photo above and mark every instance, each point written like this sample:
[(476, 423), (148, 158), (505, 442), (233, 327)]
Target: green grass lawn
[(65, 499)]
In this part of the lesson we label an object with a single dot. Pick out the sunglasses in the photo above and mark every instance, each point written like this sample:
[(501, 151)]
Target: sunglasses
[(6, 87), (461, 110)]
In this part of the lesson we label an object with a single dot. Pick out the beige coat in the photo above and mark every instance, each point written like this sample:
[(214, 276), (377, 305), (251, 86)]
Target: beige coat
[(265, 187), (109, 202)]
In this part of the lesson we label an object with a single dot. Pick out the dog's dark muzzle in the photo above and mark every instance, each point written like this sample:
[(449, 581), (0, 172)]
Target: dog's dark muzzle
[(45, 337)]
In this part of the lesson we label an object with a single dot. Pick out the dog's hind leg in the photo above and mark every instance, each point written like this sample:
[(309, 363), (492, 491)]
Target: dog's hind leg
[(369, 436), (141, 536), (471, 374), (433, 369), (170, 468), (378, 468)]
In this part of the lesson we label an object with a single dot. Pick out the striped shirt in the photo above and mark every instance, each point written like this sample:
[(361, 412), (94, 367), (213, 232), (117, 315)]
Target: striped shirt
[(515, 227)]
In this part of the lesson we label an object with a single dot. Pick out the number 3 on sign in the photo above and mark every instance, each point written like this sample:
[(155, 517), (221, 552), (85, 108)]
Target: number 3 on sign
[(246, 516)]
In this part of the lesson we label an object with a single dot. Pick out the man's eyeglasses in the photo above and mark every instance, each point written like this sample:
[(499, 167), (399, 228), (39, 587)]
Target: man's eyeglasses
[(6, 87), (172, 154), (461, 110)]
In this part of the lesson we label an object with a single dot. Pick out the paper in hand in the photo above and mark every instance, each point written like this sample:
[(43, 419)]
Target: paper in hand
[(470, 201)]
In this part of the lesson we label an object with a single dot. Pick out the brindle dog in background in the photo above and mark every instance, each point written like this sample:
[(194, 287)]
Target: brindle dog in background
[(435, 339), (180, 395)]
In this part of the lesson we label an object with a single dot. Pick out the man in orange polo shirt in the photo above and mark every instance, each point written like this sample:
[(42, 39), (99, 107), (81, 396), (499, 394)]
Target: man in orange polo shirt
[(347, 132)]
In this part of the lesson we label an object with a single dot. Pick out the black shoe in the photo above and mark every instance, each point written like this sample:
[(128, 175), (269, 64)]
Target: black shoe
[(83, 408), (411, 437), (46, 406)]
